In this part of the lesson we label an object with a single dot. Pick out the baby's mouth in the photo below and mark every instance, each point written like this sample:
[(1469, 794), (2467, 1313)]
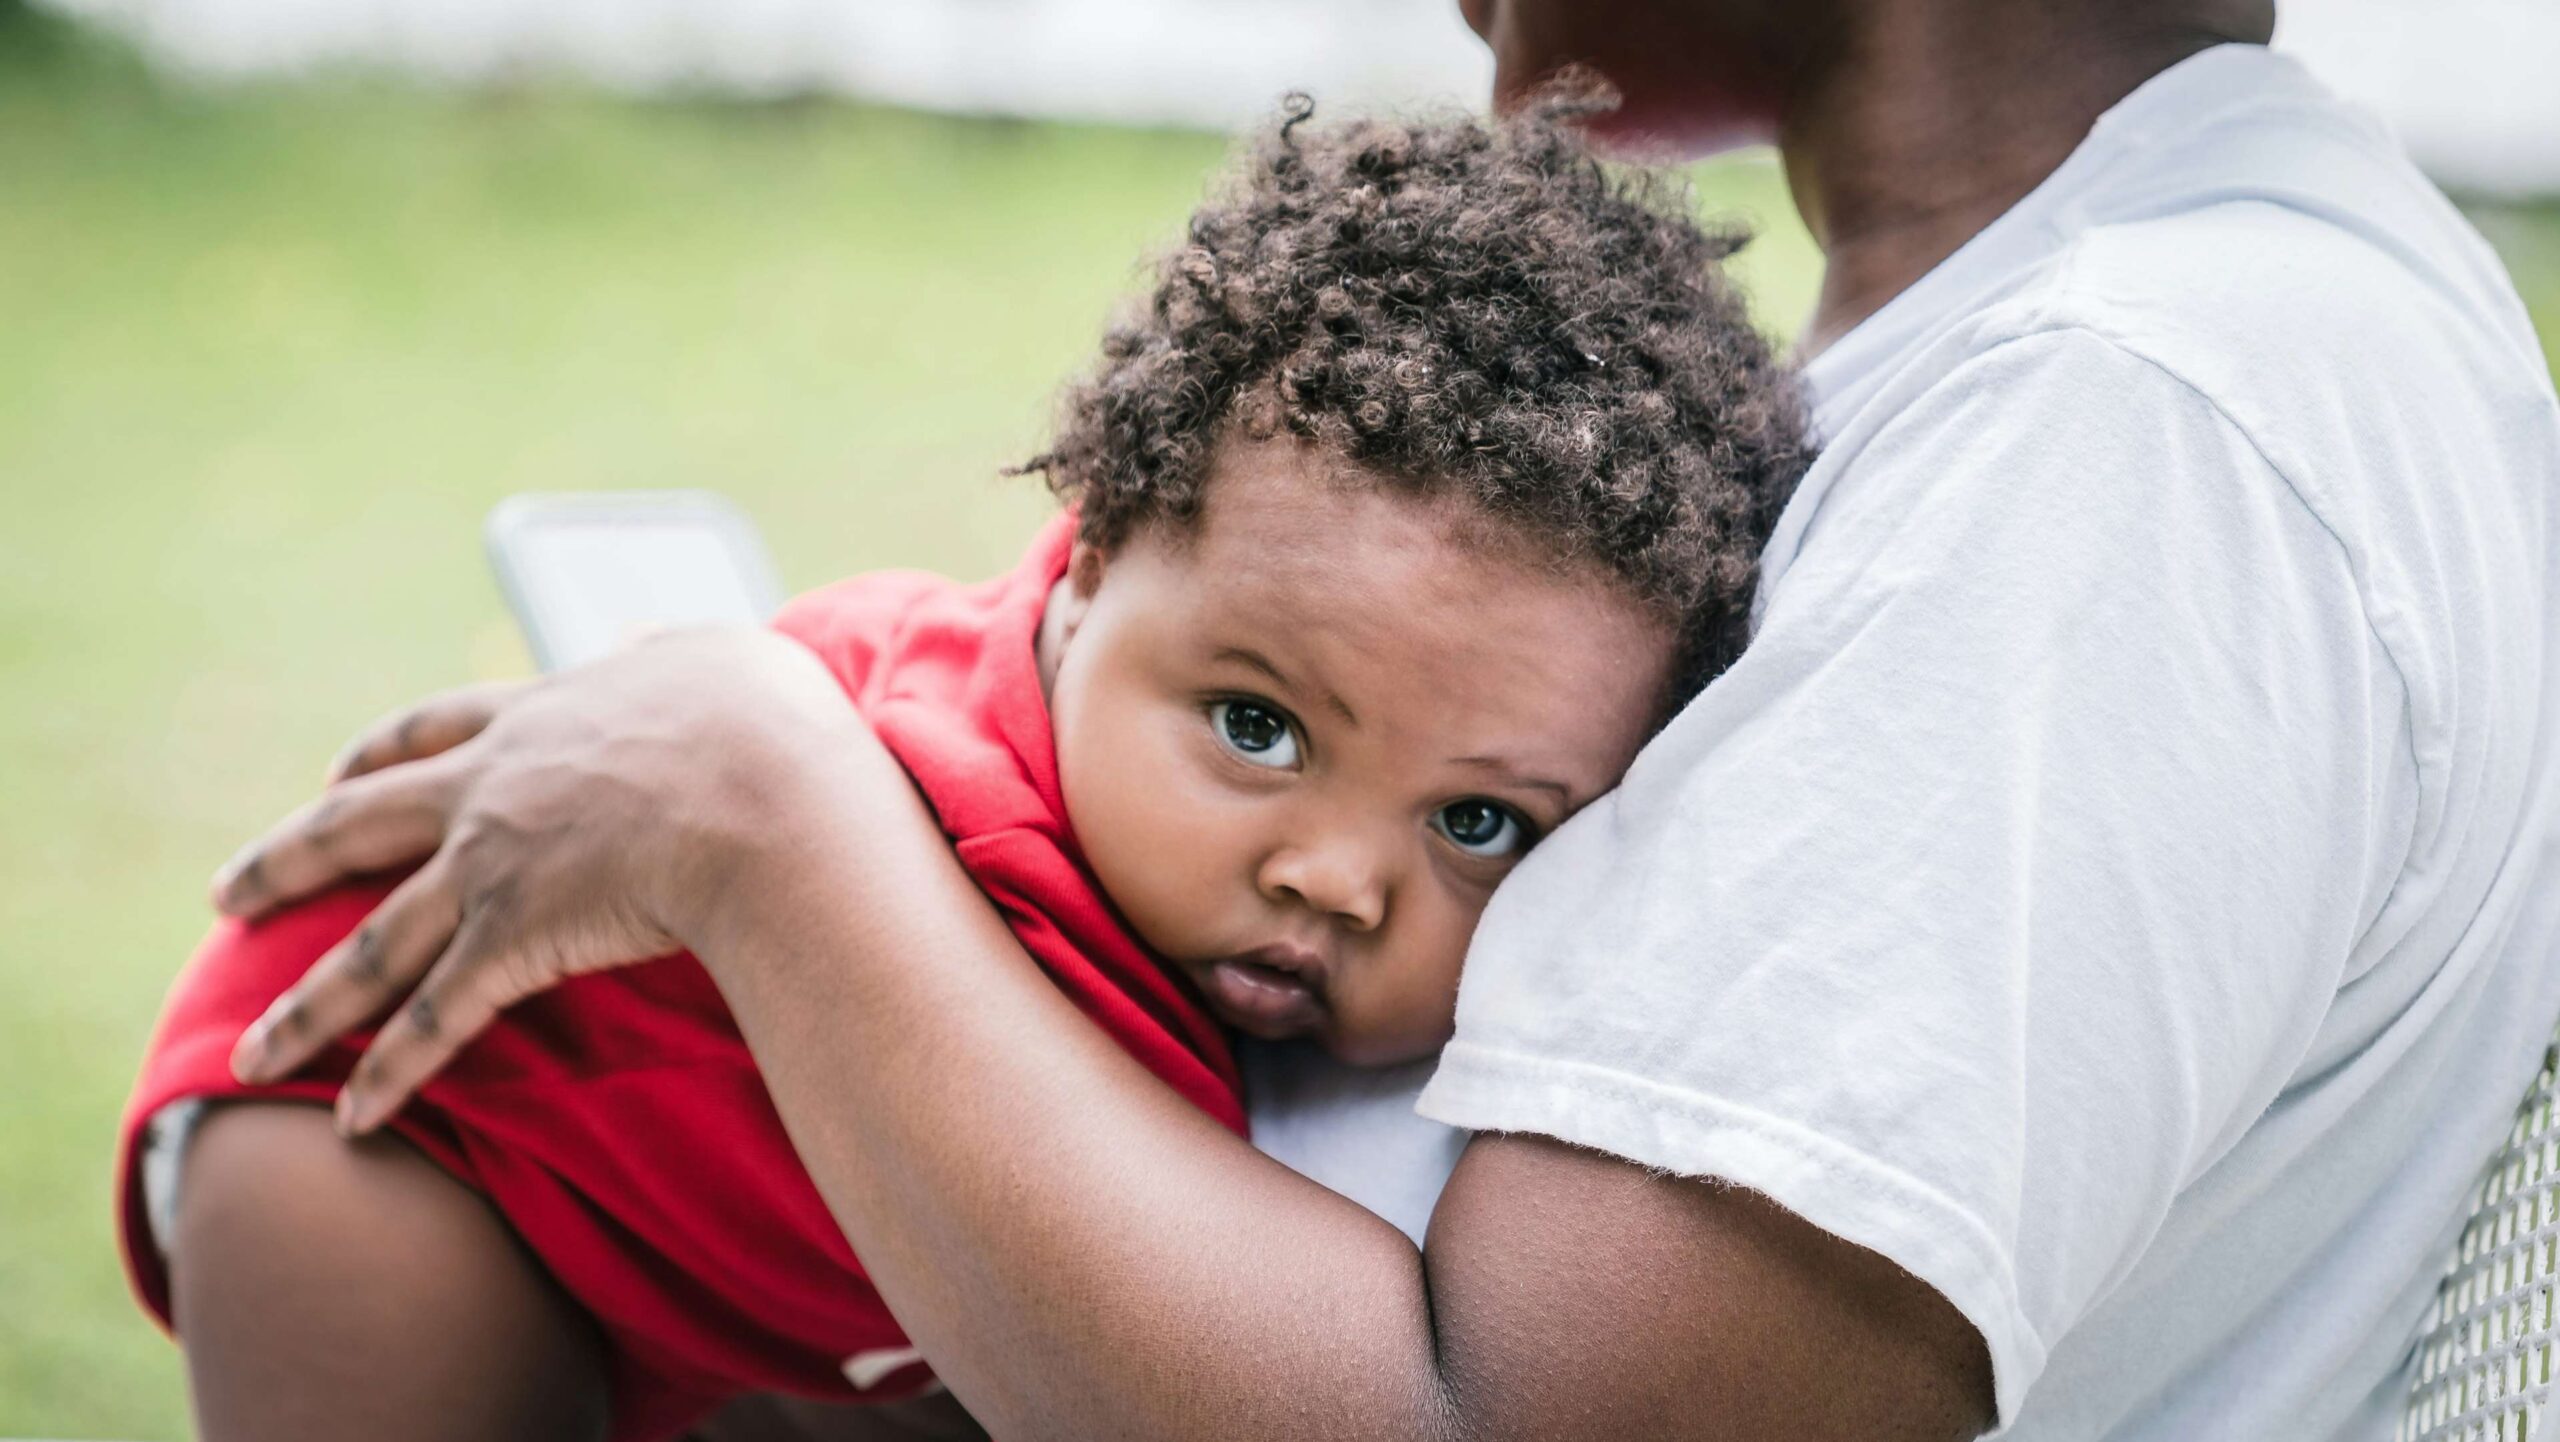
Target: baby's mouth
[(1271, 993)]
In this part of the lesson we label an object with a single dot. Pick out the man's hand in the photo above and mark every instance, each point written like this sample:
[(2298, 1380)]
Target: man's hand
[(562, 826)]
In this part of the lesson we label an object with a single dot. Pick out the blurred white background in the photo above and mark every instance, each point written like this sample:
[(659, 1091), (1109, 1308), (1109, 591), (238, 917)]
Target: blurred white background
[(2472, 85)]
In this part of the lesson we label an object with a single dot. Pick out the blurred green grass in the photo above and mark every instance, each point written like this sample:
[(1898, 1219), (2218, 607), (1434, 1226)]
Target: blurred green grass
[(268, 354), (266, 357)]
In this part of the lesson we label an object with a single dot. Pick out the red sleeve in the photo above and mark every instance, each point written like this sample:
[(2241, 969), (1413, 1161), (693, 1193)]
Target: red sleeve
[(852, 622)]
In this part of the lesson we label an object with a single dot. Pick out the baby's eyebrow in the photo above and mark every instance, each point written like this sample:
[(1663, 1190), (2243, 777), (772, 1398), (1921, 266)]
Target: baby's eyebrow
[(1244, 656), (1517, 777)]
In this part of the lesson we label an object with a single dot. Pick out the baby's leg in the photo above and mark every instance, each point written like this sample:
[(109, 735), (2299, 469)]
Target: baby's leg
[(333, 1290)]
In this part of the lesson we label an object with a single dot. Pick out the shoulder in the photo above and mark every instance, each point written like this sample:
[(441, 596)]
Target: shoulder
[(2382, 370), (2037, 441), (2239, 371), (2046, 504), (2338, 343), (940, 629), (856, 606), (854, 623)]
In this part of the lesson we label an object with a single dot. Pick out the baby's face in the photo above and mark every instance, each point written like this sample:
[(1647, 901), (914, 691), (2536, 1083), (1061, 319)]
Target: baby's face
[(1302, 744)]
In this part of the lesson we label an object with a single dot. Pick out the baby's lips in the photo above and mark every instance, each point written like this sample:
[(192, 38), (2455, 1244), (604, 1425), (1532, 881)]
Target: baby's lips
[(1260, 999)]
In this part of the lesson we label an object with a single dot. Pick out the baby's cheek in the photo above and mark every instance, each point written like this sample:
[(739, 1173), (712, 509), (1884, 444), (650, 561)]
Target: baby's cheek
[(1174, 892), (1407, 1005), (1159, 853)]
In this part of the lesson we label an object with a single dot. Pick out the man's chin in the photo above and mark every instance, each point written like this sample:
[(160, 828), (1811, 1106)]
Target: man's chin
[(1663, 135), (1651, 119)]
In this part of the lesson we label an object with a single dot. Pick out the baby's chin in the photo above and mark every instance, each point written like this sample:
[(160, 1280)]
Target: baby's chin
[(1366, 1050)]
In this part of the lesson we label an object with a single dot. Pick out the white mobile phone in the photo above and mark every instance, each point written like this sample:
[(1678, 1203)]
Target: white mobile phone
[(585, 571)]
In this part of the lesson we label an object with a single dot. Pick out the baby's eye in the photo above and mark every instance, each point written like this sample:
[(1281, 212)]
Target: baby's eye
[(1256, 733), (1481, 828)]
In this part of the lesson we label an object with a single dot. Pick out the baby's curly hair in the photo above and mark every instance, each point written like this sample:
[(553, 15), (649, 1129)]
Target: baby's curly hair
[(1465, 310)]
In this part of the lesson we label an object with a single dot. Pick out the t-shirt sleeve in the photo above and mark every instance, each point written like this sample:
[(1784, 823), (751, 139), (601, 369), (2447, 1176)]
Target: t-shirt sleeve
[(1984, 903)]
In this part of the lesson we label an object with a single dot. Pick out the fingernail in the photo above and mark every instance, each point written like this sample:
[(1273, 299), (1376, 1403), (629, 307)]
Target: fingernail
[(249, 1057), (359, 1114), (240, 870)]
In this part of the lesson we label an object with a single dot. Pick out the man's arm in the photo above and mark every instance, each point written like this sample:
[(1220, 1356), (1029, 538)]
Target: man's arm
[(1083, 1255), (1080, 1253)]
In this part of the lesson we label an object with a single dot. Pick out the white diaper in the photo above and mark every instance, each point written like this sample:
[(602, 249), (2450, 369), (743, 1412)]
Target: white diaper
[(164, 1154)]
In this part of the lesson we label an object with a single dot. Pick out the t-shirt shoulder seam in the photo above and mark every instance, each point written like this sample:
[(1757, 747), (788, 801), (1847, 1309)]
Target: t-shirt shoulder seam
[(2053, 325)]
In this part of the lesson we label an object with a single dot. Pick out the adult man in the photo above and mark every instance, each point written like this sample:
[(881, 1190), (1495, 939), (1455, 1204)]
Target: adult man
[(2084, 948)]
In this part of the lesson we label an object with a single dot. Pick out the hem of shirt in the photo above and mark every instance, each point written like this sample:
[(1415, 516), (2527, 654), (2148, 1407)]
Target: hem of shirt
[(1837, 1188)]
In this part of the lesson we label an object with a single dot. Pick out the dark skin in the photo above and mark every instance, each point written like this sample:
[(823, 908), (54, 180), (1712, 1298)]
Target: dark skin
[(1905, 128), (1079, 1253)]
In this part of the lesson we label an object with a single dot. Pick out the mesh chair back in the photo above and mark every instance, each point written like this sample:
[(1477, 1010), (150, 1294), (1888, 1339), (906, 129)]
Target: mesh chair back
[(2485, 1360)]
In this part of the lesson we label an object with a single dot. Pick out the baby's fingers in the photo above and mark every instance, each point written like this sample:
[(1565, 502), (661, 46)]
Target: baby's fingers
[(460, 996), (355, 981)]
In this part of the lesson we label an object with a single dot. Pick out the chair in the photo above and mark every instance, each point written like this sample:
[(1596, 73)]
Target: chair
[(2486, 1358)]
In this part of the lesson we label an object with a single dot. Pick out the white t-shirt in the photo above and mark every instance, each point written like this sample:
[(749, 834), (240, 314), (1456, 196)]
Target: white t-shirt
[(2121, 883)]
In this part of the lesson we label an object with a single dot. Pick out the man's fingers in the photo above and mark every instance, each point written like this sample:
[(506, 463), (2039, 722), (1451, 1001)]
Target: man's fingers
[(354, 981), (435, 725), (371, 823), (460, 996)]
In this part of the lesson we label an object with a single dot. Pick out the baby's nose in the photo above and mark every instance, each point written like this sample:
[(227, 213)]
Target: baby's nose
[(1338, 877)]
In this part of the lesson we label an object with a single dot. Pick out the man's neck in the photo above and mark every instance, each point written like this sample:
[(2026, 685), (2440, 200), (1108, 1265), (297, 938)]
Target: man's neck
[(1912, 127)]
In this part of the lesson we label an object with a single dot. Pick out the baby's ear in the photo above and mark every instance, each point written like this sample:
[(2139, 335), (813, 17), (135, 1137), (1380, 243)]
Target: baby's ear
[(1068, 604), (1084, 569)]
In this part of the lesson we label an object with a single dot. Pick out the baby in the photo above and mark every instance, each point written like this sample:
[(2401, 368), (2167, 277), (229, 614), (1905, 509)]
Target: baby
[(1427, 484)]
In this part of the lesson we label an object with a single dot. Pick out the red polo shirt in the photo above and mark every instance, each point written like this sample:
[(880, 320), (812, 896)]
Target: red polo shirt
[(618, 1122)]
